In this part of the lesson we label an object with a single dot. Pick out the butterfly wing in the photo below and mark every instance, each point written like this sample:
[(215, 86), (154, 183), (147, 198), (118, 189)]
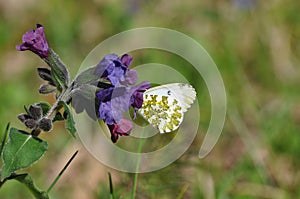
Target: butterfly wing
[(164, 105)]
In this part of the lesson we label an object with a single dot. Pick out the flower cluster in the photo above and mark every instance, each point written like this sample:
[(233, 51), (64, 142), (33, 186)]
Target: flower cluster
[(118, 98), (108, 86), (111, 75), (34, 120)]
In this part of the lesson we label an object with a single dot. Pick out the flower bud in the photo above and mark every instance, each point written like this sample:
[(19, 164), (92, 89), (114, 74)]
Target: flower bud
[(45, 124), (22, 117), (35, 112), (45, 74), (30, 123), (46, 89)]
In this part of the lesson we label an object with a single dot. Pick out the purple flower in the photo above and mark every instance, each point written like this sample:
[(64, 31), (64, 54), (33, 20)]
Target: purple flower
[(126, 60), (112, 104), (118, 98), (115, 69), (137, 94), (115, 101), (129, 78), (35, 41), (122, 128)]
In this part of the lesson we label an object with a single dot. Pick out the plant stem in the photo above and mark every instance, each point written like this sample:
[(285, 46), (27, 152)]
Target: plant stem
[(183, 190), (54, 107), (137, 168), (61, 97)]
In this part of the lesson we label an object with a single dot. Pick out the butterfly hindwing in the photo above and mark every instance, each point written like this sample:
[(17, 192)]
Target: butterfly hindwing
[(164, 106)]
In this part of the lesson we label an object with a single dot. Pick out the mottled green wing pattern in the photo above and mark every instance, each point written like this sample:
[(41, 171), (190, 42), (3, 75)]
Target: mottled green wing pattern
[(164, 106)]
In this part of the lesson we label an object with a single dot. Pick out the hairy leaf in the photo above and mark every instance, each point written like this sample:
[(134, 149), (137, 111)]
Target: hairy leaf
[(87, 76), (70, 123), (28, 181), (59, 73), (4, 138), (58, 117), (21, 151)]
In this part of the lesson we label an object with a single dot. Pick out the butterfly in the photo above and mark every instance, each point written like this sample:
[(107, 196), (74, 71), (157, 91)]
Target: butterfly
[(163, 106)]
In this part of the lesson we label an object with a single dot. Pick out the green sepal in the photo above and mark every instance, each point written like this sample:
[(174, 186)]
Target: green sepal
[(44, 106)]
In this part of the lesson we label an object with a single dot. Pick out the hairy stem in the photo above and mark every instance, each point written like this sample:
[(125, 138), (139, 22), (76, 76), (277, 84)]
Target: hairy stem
[(64, 96)]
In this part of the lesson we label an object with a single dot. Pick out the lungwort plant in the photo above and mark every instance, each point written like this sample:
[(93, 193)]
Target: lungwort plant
[(104, 91)]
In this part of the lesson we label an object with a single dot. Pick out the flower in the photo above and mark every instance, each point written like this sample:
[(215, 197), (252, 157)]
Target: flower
[(115, 69), (110, 114), (35, 41), (117, 99), (126, 60), (113, 102), (130, 77), (137, 94), (120, 129)]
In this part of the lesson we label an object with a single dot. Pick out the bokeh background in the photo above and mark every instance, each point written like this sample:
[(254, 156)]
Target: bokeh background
[(255, 45)]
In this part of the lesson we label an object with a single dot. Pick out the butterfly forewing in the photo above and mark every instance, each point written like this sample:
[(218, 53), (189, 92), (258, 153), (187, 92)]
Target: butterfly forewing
[(164, 105)]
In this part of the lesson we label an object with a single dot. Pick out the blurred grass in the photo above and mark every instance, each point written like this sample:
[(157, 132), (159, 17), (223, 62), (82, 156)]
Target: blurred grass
[(257, 51)]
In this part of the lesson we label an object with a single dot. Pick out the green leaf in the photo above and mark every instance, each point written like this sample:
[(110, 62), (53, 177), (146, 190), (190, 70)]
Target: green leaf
[(21, 151), (58, 117), (88, 76), (58, 82), (4, 139), (28, 182), (70, 123), (59, 72)]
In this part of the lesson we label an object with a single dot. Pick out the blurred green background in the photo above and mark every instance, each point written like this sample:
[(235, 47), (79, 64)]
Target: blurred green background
[(255, 45)]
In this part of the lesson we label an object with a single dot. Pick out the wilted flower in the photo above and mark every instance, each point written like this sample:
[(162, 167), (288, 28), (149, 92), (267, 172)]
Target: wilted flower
[(35, 41), (120, 129)]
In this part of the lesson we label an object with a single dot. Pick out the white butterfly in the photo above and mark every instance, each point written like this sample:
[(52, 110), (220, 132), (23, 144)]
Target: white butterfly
[(164, 105)]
